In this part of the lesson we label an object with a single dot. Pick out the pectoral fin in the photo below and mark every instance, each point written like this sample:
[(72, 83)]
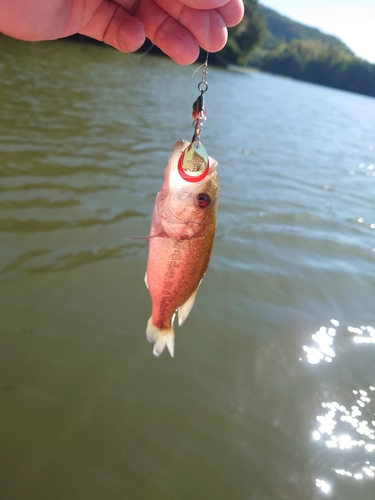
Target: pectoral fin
[(184, 310), (146, 280)]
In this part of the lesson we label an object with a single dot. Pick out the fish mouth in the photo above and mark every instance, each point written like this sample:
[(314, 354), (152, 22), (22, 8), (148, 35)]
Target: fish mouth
[(181, 145)]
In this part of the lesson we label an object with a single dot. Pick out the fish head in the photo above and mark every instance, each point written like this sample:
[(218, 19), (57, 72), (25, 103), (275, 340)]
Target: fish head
[(186, 208)]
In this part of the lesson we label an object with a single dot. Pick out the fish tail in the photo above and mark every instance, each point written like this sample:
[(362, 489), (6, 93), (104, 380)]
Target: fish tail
[(160, 338)]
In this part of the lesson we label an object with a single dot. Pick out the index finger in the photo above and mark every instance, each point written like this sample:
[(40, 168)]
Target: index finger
[(205, 4), (231, 11)]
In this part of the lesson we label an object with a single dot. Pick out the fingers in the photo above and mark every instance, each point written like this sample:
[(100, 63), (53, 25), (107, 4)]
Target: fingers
[(175, 27), (175, 41), (232, 13), (207, 26), (166, 32), (114, 26), (179, 30), (205, 4)]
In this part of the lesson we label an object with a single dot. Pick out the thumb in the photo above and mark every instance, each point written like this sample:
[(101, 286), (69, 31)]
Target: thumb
[(113, 25)]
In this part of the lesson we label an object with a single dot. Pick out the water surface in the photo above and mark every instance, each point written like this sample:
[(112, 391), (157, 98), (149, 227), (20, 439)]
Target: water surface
[(271, 393)]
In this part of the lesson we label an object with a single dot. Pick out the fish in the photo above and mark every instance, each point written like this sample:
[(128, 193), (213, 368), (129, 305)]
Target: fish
[(180, 244)]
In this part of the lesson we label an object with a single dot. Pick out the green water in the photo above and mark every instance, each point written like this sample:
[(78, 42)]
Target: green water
[(252, 406)]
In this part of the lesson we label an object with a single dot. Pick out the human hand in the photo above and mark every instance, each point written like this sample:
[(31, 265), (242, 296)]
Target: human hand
[(177, 27)]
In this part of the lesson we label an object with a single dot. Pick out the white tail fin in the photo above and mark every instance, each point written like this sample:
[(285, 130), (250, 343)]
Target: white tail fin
[(160, 338)]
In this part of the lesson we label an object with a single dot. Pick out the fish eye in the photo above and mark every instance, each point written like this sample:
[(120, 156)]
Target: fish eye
[(202, 200)]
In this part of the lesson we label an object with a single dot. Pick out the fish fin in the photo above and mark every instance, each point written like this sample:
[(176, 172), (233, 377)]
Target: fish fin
[(184, 310), (160, 338), (146, 279)]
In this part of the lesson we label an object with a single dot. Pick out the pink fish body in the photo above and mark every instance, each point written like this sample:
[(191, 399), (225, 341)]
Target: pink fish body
[(180, 244)]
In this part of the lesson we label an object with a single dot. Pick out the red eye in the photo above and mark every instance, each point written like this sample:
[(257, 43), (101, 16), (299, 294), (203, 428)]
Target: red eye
[(203, 200)]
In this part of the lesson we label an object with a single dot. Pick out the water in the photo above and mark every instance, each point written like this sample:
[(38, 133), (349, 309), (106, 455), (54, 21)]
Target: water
[(271, 393)]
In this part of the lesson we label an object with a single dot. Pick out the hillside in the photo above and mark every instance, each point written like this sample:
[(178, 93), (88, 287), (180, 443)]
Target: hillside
[(292, 49), (281, 29)]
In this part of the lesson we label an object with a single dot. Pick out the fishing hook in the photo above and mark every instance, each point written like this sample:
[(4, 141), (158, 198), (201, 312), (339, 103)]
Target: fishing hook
[(193, 164)]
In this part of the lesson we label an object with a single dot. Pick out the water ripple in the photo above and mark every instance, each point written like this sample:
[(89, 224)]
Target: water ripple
[(34, 226)]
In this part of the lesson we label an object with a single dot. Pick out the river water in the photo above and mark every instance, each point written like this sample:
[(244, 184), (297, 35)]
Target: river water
[(271, 392)]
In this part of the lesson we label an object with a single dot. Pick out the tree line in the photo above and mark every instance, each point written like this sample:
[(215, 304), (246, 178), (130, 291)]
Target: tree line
[(273, 43)]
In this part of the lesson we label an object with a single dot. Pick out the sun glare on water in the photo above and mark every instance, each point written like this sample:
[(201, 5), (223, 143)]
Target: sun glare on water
[(346, 428)]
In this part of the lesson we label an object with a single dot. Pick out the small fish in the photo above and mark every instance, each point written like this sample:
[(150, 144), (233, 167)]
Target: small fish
[(180, 244)]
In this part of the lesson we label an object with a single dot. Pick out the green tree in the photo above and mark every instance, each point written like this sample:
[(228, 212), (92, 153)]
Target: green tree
[(318, 62), (242, 38)]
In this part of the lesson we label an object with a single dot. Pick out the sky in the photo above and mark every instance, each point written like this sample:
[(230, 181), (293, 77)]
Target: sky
[(353, 21)]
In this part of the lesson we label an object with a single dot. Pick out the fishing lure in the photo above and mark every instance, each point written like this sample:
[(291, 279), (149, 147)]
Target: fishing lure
[(195, 158)]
